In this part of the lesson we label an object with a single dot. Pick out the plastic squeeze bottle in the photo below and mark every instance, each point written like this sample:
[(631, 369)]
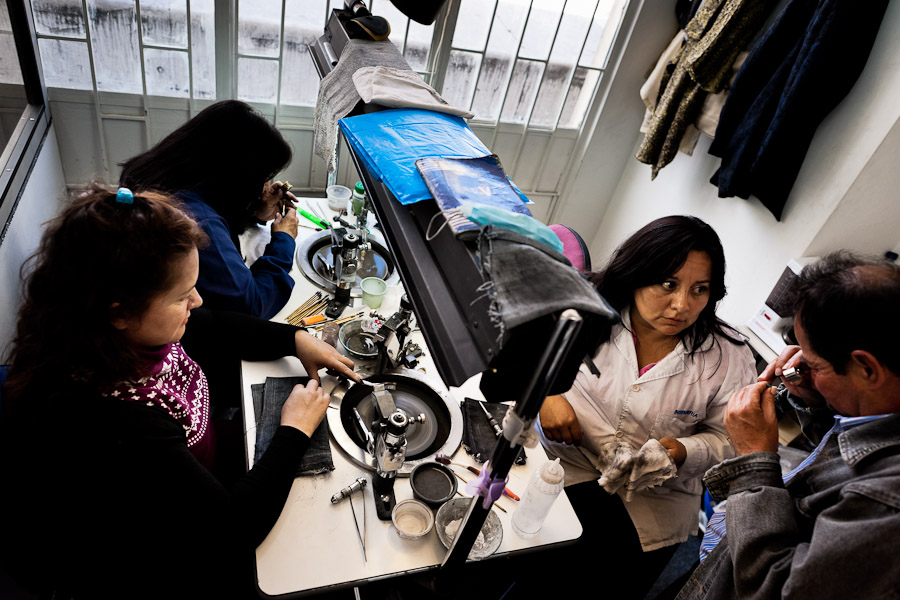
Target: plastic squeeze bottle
[(358, 198), (545, 485)]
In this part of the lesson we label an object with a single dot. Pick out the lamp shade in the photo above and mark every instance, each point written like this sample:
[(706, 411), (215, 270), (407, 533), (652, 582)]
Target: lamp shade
[(420, 11)]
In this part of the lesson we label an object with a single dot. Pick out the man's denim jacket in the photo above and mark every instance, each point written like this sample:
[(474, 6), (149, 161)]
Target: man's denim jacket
[(831, 532)]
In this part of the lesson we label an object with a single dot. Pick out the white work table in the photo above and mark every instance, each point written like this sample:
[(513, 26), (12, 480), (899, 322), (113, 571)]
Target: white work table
[(314, 545)]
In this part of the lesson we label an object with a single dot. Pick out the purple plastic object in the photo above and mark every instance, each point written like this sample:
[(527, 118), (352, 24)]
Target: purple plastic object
[(485, 486)]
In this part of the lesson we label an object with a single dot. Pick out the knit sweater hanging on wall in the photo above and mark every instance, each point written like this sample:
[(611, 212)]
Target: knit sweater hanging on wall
[(713, 39)]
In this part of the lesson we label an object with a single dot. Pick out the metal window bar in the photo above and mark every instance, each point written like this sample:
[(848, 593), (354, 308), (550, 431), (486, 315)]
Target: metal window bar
[(547, 63), (280, 63), (146, 100), (568, 84), (101, 138), (508, 79), (527, 124), (441, 41), (225, 12), (190, 54), (513, 164), (484, 51)]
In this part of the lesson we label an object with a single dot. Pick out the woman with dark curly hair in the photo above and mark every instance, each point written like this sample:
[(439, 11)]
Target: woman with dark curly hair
[(109, 451), (643, 420), (219, 164)]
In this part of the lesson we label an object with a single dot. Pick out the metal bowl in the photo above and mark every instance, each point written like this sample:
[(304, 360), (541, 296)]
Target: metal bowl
[(413, 393), (316, 262), (432, 483), (450, 517), (357, 341)]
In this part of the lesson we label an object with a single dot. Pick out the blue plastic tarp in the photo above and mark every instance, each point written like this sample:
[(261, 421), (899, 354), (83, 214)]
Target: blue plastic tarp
[(389, 143)]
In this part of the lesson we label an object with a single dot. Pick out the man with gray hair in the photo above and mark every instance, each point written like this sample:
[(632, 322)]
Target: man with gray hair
[(828, 529)]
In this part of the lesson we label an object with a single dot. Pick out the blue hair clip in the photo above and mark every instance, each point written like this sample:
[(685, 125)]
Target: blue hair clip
[(124, 196)]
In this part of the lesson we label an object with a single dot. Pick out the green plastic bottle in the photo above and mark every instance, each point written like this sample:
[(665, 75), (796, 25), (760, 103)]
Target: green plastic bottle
[(359, 198)]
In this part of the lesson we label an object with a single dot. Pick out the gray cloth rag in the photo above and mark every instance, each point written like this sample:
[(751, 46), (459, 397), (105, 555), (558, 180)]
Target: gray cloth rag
[(624, 468), (528, 281), (401, 88), (268, 399), (337, 92)]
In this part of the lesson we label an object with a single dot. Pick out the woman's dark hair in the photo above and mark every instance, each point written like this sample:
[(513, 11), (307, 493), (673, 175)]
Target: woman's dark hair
[(226, 153), (97, 252), (653, 254)]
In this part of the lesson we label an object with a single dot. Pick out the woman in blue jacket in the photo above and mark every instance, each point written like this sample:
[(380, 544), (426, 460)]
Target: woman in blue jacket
[(219, 164)]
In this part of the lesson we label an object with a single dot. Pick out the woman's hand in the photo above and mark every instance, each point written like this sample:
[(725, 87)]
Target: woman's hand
[(305, 407), (792, 357), (274, 200), (676, 449), (288, 223), (316, 354), (559, 422)]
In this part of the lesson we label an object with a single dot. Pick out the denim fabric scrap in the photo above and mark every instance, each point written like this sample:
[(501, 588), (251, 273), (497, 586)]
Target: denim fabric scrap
[(527, 281), (268, 399), (478, 437)]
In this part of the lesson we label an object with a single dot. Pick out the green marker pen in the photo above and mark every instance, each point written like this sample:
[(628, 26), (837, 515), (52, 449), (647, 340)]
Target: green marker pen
[(319, 222)]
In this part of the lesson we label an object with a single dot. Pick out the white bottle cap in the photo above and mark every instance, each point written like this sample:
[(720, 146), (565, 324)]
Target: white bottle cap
[(552, 472)]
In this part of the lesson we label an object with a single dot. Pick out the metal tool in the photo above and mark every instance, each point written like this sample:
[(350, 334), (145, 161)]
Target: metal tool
[(792, 374), (285, 188), (386, 441), (358, 484), (497, 430), (346, 260)]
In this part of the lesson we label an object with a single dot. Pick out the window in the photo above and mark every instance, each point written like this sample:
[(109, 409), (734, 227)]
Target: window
[(104, 50), (529, 62), (534, 63), (23, 114)]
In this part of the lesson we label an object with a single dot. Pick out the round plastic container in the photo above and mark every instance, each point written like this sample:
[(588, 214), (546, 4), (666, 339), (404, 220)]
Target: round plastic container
[(412, 519), (338, 197)]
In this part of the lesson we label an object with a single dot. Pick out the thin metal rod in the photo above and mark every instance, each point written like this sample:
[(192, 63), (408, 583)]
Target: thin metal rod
[(504, 455)]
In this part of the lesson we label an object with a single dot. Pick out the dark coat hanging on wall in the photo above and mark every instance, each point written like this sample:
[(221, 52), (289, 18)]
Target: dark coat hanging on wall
[(798, 72)]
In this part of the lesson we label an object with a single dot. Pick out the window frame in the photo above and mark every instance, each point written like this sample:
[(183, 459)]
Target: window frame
[(22, 148)]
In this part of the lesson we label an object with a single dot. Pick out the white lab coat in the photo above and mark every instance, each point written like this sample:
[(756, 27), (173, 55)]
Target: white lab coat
[(680, 397)]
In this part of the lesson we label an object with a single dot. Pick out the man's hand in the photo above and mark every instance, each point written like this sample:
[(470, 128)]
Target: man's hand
[(750, 419), (316, 354), (676, 449), (792, 357), (559, 422)]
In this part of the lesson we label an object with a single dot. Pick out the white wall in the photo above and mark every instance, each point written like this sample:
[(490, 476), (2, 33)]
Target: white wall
[(40, 201), (845, 195)]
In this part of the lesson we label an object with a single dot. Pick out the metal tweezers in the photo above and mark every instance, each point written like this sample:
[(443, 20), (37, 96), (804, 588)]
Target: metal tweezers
[(362, 536)]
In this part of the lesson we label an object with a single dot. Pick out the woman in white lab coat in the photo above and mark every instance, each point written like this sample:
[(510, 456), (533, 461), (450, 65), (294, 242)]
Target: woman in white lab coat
[(644, 420)]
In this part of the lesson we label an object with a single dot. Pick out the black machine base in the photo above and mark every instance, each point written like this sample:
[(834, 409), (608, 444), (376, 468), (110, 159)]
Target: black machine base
[(384, 496)]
